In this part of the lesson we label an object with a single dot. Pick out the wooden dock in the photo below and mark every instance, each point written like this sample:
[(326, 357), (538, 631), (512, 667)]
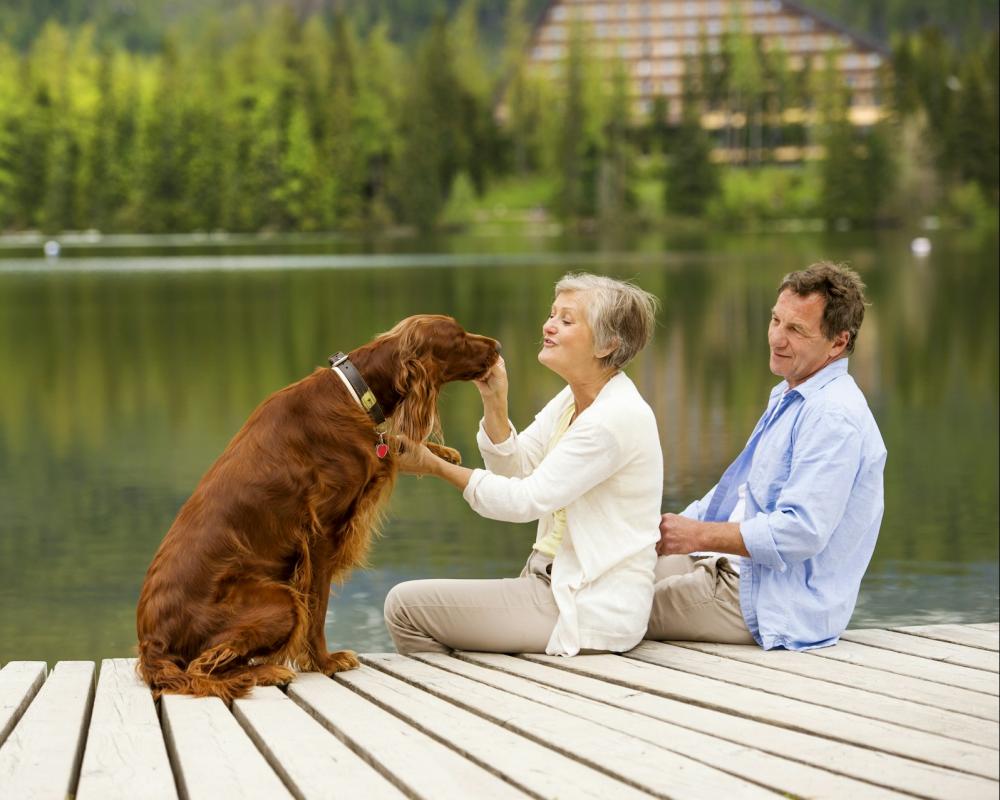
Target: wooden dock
[(907, 712)]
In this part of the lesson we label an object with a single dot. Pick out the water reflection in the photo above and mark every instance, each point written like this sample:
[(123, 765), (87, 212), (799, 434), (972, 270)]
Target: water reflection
[(120, 386)]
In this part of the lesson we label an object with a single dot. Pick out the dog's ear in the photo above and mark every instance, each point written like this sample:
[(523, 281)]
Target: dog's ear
[(416, 415)]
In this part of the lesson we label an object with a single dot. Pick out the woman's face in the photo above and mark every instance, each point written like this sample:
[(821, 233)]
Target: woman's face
[(567, 341)]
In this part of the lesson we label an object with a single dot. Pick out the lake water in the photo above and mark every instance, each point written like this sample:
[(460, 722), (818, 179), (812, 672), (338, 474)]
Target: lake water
[(123, 374)]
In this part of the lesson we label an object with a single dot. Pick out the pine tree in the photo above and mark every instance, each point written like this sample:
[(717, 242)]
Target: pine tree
[(576, 149), (616, 195), (691, 177)]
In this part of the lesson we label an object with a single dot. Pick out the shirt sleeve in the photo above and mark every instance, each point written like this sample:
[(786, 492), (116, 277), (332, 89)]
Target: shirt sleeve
[(825, 462), (517, 455), (587, 454)]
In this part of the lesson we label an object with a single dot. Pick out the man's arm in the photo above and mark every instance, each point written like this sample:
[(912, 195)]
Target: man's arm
[(681, 535), (797, 523)]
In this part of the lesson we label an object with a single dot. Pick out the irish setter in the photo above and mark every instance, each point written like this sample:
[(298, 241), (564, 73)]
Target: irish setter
[(237, 593)]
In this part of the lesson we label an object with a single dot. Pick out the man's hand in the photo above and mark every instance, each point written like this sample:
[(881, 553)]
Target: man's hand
[(678, 535), (682, 535)]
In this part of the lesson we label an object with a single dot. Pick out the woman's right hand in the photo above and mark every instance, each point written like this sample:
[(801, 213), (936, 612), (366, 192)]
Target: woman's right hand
[(493, 385)]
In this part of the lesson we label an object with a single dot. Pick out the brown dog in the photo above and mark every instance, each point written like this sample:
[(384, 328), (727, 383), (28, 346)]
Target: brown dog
[(237, 592)]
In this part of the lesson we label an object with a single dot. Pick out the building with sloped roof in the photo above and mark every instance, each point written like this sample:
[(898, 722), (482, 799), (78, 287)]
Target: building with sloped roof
[(657, 40)]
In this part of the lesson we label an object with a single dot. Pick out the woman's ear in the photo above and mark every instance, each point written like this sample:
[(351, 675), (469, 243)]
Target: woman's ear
[(604, 352)]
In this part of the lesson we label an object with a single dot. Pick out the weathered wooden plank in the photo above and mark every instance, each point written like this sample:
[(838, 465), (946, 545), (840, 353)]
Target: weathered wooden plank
[(19, 683), (934, 649), (631, 684), (579, 730), (956, 634), (125, 755), (819, 693), (41, 757), (659, 721), (902, 664), (904, 687), (212, 755), (828, 722), (535, 768), (312, 762), (420, 765)]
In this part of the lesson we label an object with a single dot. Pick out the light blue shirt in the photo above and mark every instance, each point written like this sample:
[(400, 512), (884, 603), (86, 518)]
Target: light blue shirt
[(814, 504)]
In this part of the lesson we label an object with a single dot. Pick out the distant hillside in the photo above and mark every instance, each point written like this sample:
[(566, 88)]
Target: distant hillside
[(139, 24)]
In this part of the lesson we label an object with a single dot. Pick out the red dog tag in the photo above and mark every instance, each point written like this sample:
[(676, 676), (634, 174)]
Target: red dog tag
[(381, 450)]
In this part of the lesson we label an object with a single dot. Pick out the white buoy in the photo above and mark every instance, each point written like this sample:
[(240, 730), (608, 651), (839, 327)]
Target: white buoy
[(52, 249), (920, 246)]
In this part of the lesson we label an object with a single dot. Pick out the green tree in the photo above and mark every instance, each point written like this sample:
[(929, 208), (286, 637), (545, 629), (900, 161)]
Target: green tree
[(858, 171), (616, 192), (434, 144), (577, 149), (691, 179)]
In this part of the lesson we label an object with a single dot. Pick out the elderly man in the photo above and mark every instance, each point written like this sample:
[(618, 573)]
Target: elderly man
[(775, 552)]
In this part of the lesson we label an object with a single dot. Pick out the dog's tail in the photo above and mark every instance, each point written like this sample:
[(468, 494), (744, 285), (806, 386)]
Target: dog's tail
[(217, 672)]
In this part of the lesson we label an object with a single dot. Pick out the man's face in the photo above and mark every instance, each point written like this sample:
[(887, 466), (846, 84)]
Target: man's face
[(798, 347)]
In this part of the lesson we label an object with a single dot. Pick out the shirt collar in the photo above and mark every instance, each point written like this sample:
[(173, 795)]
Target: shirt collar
[(830, 372)]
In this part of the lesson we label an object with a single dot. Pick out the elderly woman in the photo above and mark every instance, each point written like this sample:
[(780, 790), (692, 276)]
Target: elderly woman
[(589, 469)]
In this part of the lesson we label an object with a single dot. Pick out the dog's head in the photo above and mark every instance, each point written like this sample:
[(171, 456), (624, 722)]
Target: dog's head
[(431, 350)]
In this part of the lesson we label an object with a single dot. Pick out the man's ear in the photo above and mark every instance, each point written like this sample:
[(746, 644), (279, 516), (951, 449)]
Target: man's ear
[(840, 343)]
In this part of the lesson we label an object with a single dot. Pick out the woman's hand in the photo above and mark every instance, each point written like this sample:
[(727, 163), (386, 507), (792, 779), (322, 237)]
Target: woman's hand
[(493, 385), (493, 389), (414, 458)]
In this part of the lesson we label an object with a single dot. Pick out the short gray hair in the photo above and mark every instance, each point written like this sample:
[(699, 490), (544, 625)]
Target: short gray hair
[(620, 314)]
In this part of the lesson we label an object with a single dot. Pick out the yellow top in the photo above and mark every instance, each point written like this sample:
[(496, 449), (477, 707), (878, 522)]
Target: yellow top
[(548, 545)]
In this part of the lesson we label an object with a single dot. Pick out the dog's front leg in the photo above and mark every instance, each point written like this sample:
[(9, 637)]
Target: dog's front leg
[(447, 453), (322, 660)]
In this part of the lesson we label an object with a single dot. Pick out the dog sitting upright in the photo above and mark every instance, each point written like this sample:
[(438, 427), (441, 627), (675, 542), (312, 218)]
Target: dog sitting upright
[(237, 593)]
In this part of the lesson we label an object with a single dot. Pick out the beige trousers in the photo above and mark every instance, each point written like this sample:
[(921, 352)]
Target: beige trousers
[(506, 615), (697, 600)]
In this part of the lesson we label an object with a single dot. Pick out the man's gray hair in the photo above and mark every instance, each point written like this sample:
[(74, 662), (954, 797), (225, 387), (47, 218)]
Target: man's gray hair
[(620, 314)]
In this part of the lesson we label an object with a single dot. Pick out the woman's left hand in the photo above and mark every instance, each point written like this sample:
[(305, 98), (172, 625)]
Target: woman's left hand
[(414, 458)]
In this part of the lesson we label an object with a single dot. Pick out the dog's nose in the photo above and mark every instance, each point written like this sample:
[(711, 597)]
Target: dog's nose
[(498, 347)]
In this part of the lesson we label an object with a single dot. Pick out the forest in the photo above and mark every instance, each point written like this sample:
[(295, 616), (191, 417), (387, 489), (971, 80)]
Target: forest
[(312, 115)]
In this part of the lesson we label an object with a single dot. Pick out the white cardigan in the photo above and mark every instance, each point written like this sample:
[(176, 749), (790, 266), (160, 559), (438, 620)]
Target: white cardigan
[(607, 472)]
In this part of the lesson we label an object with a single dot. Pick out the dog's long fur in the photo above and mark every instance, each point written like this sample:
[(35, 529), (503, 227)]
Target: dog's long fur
[(237, 593)]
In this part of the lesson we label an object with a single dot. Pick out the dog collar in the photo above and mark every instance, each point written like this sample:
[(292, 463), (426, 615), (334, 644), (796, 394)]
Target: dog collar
[(341, 364)]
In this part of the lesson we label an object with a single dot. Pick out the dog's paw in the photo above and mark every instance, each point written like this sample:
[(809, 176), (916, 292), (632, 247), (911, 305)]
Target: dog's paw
[(447, 453), (340, 661)]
